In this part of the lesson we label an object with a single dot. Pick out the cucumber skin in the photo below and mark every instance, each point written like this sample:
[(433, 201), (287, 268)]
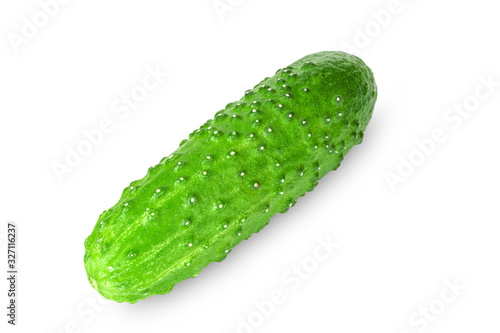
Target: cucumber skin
[(253, 160)]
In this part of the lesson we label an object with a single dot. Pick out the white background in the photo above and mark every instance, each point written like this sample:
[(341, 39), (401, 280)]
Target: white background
[(399, 245)]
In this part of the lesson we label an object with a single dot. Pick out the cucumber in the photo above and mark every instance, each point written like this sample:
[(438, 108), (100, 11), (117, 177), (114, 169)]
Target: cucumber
[(251, 161)]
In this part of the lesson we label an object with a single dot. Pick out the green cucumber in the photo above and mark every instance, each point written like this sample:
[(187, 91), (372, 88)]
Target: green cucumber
[(251, 161)]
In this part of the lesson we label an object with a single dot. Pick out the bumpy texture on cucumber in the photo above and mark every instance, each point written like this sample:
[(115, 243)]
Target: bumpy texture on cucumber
[(253, 160)]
